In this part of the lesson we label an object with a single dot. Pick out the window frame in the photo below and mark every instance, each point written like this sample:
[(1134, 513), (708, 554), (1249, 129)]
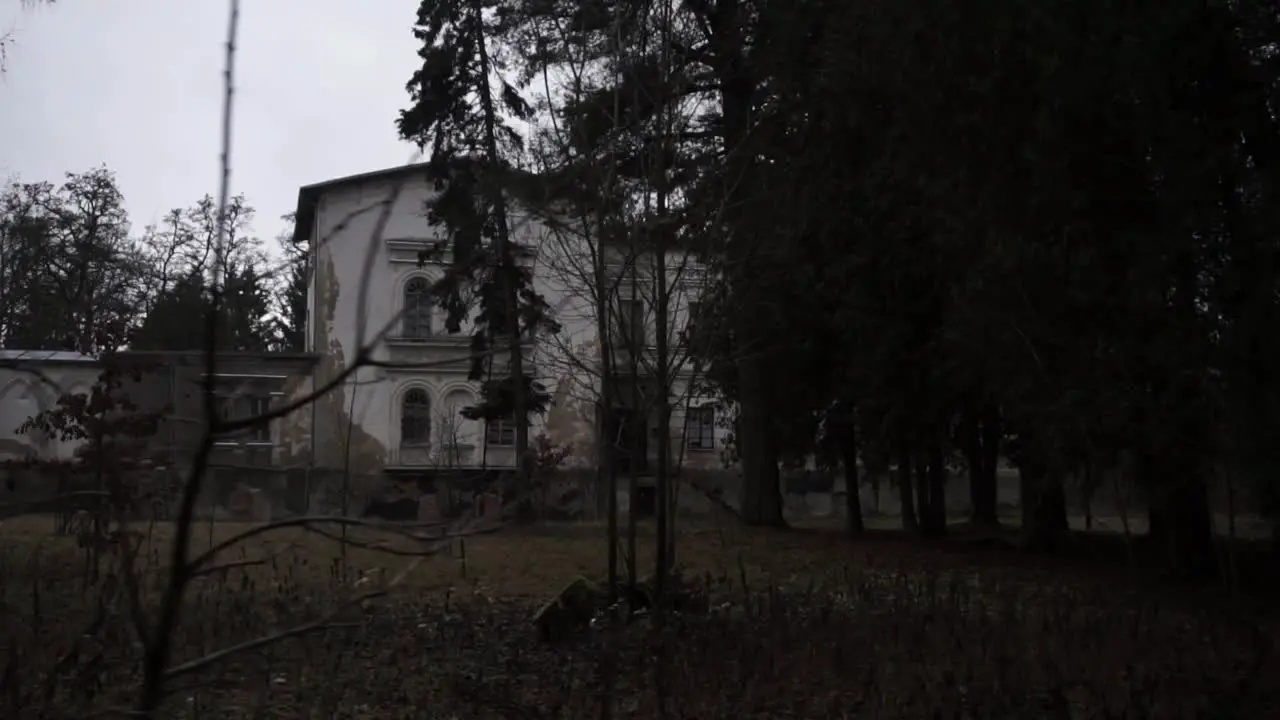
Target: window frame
[(694, 311), (496, 432), (416, 310), (631, 316), (700, 434), (410, 439), (236, 406)]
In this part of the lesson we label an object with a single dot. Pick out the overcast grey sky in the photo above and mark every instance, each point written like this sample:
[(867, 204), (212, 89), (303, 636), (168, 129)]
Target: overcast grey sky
[(136, 85)]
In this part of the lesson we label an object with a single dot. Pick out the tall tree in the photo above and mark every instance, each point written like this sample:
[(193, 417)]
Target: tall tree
[(1046, 229), (182, 253), (290, 303), (80, 271), (459, 97), (244, 307)]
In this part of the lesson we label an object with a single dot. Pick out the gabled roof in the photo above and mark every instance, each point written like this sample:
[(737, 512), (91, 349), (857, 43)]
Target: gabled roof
[(309, 195), (523, 186), (532, 188)]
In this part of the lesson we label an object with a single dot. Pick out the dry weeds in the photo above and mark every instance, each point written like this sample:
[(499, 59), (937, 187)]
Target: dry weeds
[(788, 625)]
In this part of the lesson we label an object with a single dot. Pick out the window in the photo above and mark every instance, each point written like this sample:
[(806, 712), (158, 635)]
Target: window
[(415, 418), (631, 325), (235, 407), (693, 317), (417, 309), (500, 432), (700, 428)]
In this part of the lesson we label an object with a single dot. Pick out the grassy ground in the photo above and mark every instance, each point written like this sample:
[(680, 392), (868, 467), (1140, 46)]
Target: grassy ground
[(1246, 527), (785, 624), (533, 563)]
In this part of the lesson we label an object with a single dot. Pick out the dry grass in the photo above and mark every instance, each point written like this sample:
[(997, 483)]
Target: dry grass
[(532, 563), (787, 625)]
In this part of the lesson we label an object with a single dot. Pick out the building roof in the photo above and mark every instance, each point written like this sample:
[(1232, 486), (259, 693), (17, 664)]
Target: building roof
[(524, 186), (533, 188), (283, 356), (309, 195), (17, 356)]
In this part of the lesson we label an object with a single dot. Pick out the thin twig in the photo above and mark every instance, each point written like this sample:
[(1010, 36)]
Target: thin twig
[(327, 622), (302, 522), (158, 653), (387, 549)]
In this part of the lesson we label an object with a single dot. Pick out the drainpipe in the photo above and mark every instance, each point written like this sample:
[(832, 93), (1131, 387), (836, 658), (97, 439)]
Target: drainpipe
[(311, 439), (309, 345), (171, 459)]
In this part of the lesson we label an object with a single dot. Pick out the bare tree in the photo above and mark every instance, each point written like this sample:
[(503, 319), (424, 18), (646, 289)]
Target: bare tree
[(447, 439), (614, 242), (185, 242)]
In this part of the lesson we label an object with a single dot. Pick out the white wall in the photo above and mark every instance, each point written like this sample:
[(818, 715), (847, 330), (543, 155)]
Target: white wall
[(24, 394), (570, 358), (344, 236)]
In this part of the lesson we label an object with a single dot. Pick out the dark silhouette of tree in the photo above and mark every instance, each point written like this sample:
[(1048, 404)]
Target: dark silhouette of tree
[(458, 101)]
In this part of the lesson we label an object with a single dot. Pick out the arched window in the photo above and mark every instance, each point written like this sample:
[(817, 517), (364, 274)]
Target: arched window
[(417, 308), (415, 418)]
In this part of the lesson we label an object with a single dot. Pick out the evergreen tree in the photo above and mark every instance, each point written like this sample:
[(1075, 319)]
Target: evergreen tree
[(290, 303), (182, 254), (459, 97)]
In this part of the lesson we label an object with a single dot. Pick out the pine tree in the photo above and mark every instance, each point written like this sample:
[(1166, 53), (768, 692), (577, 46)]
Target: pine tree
[(291, 295), (458, 100)]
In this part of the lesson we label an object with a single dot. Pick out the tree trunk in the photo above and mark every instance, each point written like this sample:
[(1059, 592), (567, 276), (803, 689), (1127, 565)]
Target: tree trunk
[(761, 496), (971, 447), (924, 501), (1044, 503), (664, 551), (1144, 473), (987, 494), (853, 503), (637, 449), (633, 509), (1179, 516), (909, 521), (606, 471), (874, 452), (1087, 487), (981, 506), (508, 267), (1180, 526), (937, 522)]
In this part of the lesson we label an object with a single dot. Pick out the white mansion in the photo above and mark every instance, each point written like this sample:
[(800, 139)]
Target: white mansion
[(401, 413)]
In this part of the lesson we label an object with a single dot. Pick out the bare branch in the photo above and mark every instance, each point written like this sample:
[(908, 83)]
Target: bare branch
[(307, 522), (326, 622), (159, 650), (240, 564)]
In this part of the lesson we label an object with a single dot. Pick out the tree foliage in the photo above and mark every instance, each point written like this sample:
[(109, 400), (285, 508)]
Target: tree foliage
[(105, 422), (74, 276), (1045, 207), (942, 236), (460, 102), (291, 300), (112, 435), (67, 263)]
